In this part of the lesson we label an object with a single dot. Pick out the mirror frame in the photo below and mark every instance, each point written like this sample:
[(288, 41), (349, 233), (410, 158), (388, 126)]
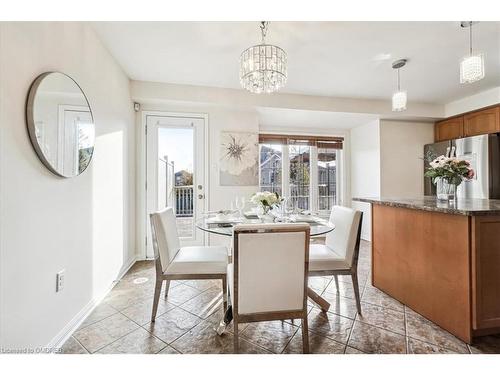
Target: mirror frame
[(30, 122)]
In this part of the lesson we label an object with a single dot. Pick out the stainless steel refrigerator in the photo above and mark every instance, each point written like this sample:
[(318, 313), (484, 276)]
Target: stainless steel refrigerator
[(483, 152)]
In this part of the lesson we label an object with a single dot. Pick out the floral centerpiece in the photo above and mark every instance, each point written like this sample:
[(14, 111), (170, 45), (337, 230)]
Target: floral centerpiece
[(266, 200), (447, 173)]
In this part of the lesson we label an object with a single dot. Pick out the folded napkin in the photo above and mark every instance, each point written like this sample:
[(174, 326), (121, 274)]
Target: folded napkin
[(304, 218), (216, 220), (251, 215)]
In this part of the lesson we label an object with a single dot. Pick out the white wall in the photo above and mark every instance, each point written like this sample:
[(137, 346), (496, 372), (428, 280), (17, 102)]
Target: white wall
[(84, 225), (470, 103), (365, 169), (386, 161), (401, 153), (235, 98)]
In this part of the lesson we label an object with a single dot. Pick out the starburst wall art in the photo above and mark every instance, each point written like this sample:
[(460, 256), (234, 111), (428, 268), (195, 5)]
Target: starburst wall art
[(239, 159)]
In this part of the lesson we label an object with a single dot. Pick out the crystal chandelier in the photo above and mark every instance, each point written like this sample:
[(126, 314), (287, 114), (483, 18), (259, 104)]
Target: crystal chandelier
[(472, 66), (263, 67), (399, 97)]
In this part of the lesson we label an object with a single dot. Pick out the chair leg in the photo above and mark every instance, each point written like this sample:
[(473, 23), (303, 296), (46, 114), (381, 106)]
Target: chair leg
[(236, 338), (354, 277), (156, 299), (335, 277), (305, 336), (167, 287), (224, 292)]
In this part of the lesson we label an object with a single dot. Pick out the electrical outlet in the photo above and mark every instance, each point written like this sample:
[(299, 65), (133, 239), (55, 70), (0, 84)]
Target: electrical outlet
[(60, 281)]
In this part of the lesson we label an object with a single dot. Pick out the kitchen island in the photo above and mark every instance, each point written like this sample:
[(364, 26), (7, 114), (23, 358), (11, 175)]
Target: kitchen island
[(440, 259)]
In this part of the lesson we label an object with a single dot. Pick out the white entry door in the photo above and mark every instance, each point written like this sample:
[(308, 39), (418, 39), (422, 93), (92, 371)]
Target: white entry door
[(176, 173)]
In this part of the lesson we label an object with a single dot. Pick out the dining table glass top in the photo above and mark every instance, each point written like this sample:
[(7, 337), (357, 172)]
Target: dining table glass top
[(224, 226)]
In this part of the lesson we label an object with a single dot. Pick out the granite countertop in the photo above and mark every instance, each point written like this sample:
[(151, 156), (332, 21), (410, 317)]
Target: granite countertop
[(469, 207)]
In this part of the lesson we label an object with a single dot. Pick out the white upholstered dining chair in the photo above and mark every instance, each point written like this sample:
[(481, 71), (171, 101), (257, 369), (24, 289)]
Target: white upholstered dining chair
[(268, 277), (339, 255), (174, 262)]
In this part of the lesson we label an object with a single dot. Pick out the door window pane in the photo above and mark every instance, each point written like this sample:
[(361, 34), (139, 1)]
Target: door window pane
[(270, 168), (299, 157), (175, 176), (327, 177)]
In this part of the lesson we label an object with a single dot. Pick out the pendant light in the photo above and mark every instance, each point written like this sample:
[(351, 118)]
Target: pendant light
[(263, 68), (472, 66), (399, 98)]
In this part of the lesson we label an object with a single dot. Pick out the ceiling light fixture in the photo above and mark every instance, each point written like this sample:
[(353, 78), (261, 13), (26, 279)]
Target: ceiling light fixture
[(263, 68), (399, 98), (472, 66)]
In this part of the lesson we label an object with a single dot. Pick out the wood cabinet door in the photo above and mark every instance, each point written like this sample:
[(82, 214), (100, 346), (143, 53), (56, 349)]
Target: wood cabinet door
[(482, 122), (486, 272), (449, 129)]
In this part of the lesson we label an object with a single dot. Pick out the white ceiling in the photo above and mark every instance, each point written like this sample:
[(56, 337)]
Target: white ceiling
[(303, 120), (341, 59)]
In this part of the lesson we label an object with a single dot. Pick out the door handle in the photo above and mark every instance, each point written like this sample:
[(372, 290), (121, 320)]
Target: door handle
[(201, 196)]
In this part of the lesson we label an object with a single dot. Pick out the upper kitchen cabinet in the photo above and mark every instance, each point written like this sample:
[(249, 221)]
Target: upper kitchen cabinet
[(482, 122), (451, 128)]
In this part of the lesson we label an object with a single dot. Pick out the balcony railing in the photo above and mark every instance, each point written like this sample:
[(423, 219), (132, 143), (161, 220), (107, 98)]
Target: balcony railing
[(183, 196)]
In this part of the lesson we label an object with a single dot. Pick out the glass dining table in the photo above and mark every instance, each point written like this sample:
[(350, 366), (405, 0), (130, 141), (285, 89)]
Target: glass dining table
[(224, 227)]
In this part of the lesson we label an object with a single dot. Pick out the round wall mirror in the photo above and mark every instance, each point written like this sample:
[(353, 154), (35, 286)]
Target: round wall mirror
[(60, 124)]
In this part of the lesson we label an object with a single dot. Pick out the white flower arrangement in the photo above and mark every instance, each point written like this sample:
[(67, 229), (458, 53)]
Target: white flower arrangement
[(266, 199)]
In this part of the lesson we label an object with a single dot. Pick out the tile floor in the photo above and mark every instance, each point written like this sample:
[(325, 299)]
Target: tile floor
[(186, 320)]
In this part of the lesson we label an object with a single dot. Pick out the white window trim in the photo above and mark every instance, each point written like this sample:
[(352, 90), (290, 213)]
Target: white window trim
[(313, 178), (339, 178), (285, 171)]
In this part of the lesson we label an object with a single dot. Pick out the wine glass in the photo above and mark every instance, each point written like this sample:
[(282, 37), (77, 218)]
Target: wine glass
[(283, 215), (240, 205), (291, 207)]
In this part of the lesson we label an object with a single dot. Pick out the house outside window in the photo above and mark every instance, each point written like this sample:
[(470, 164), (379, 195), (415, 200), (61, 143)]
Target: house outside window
[(303, 170), (270, 168)]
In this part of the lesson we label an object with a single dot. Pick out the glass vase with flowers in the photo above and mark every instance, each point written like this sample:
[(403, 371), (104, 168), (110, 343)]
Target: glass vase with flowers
[(266, 200), (447, 173)]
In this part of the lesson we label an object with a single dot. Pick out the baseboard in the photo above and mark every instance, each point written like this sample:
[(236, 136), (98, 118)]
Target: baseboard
[(59, 340), (126, 267), (139, 256)]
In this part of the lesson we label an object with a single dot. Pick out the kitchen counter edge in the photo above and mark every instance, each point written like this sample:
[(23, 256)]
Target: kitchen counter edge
[(467, 207)]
